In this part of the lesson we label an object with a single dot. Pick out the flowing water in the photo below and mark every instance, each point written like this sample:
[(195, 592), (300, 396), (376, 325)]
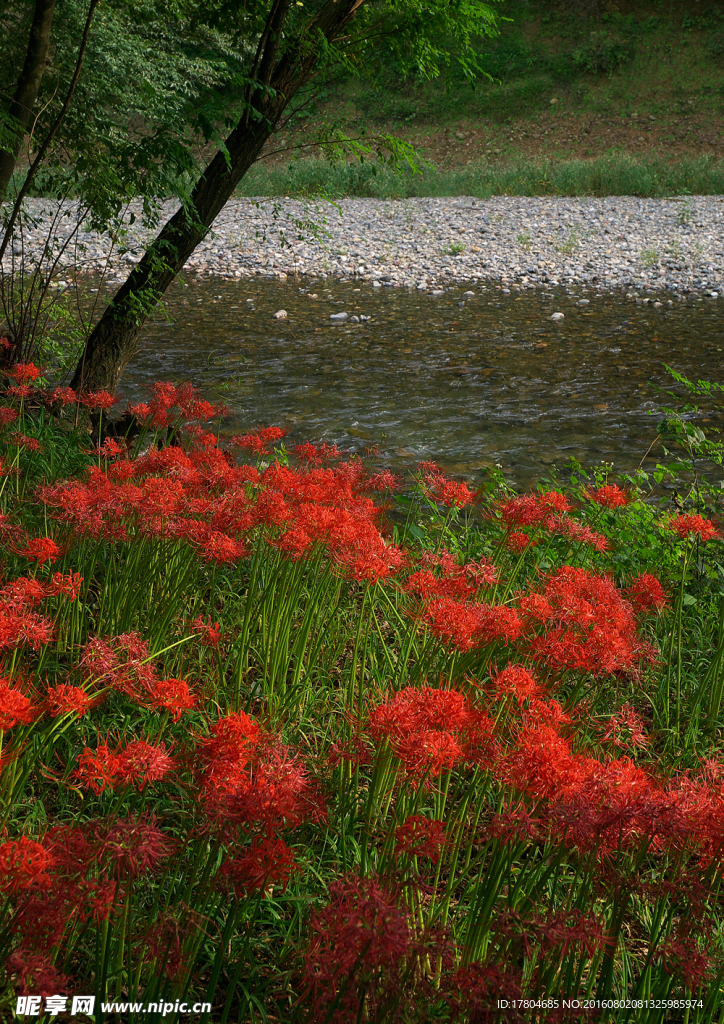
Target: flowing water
[(464, 382)]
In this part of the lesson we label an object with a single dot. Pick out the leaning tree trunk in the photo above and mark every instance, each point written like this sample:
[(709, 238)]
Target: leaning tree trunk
[(26, 91), (114, 339)]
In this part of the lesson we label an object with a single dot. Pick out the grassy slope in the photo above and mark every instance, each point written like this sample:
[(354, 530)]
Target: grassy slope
[(644, 80)]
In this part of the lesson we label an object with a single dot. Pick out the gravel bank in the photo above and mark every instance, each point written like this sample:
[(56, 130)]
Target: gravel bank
[(640, 245)]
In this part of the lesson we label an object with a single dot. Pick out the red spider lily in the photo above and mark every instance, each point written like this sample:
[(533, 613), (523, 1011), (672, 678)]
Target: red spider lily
[(470, 626), (15, 707), (122, 662), (165, 941), (24, 863), (704, 529), (7, 416), (518, 542), (608, 496), (567, 527), (97, 769), (65, 700), (477, 989), (533, 509), (31, 444), (383, 481), (131, 846), (560, 931), (627, 719), (209, 634), (273, 789), (41, 550), (23, 372), (64, 396), (140, 762), (173, 695), (68, 585), (21, 391), (141, 410), (438, 487), (356, 951), (228, 750), (35, 974), (589, 625), (516, 681), (97, 400), (265, 863), (645, 593), (316, 453), (455, 581), (683, 956), (431, 731), (515, 825), (260, 440), (419, 836)]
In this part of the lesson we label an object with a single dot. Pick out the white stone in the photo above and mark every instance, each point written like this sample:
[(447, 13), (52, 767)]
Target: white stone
[(281, 314), (338, 316), (556, 316)]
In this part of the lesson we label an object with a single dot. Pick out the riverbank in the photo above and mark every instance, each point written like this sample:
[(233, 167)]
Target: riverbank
[(673, 246)]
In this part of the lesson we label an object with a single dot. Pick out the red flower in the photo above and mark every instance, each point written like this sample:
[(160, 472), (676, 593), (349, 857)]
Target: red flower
[(438, 487), (36, 975), (173, 695), (431, 731), (15, 707), (41, 550), (7, 416), (209, 635), (704, 529), (645, 593), (471, 626), (97, 769), (133, 845), (419, 836), (29, 443), (140, 763), (518, 542), (66, 700), (97, 400), (609, 496), (383, 481), (317, 454), (23, 863), (356, 952), (23, 372), (518, 682), (259, 441), (265, 863), (65, 396), (589, 625), (568, 527)]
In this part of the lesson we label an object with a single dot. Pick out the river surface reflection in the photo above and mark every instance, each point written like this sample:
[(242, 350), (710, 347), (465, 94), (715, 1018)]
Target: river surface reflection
[(467, 382)]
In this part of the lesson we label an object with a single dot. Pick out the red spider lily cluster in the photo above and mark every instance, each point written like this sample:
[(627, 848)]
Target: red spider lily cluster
[(417, 811)]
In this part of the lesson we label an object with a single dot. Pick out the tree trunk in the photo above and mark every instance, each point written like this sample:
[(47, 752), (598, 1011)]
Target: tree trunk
[(114, 339), (26, 91)]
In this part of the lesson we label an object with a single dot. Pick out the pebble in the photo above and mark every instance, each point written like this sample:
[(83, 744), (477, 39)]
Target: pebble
[(557, 316), (281, 314), (642, 246), (338, 316)]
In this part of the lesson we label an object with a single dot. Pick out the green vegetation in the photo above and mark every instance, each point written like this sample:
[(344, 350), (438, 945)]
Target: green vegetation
[(612, 174)]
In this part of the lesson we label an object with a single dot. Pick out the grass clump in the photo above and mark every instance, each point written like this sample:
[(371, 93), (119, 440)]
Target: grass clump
[(611, 174), (265, 752)]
